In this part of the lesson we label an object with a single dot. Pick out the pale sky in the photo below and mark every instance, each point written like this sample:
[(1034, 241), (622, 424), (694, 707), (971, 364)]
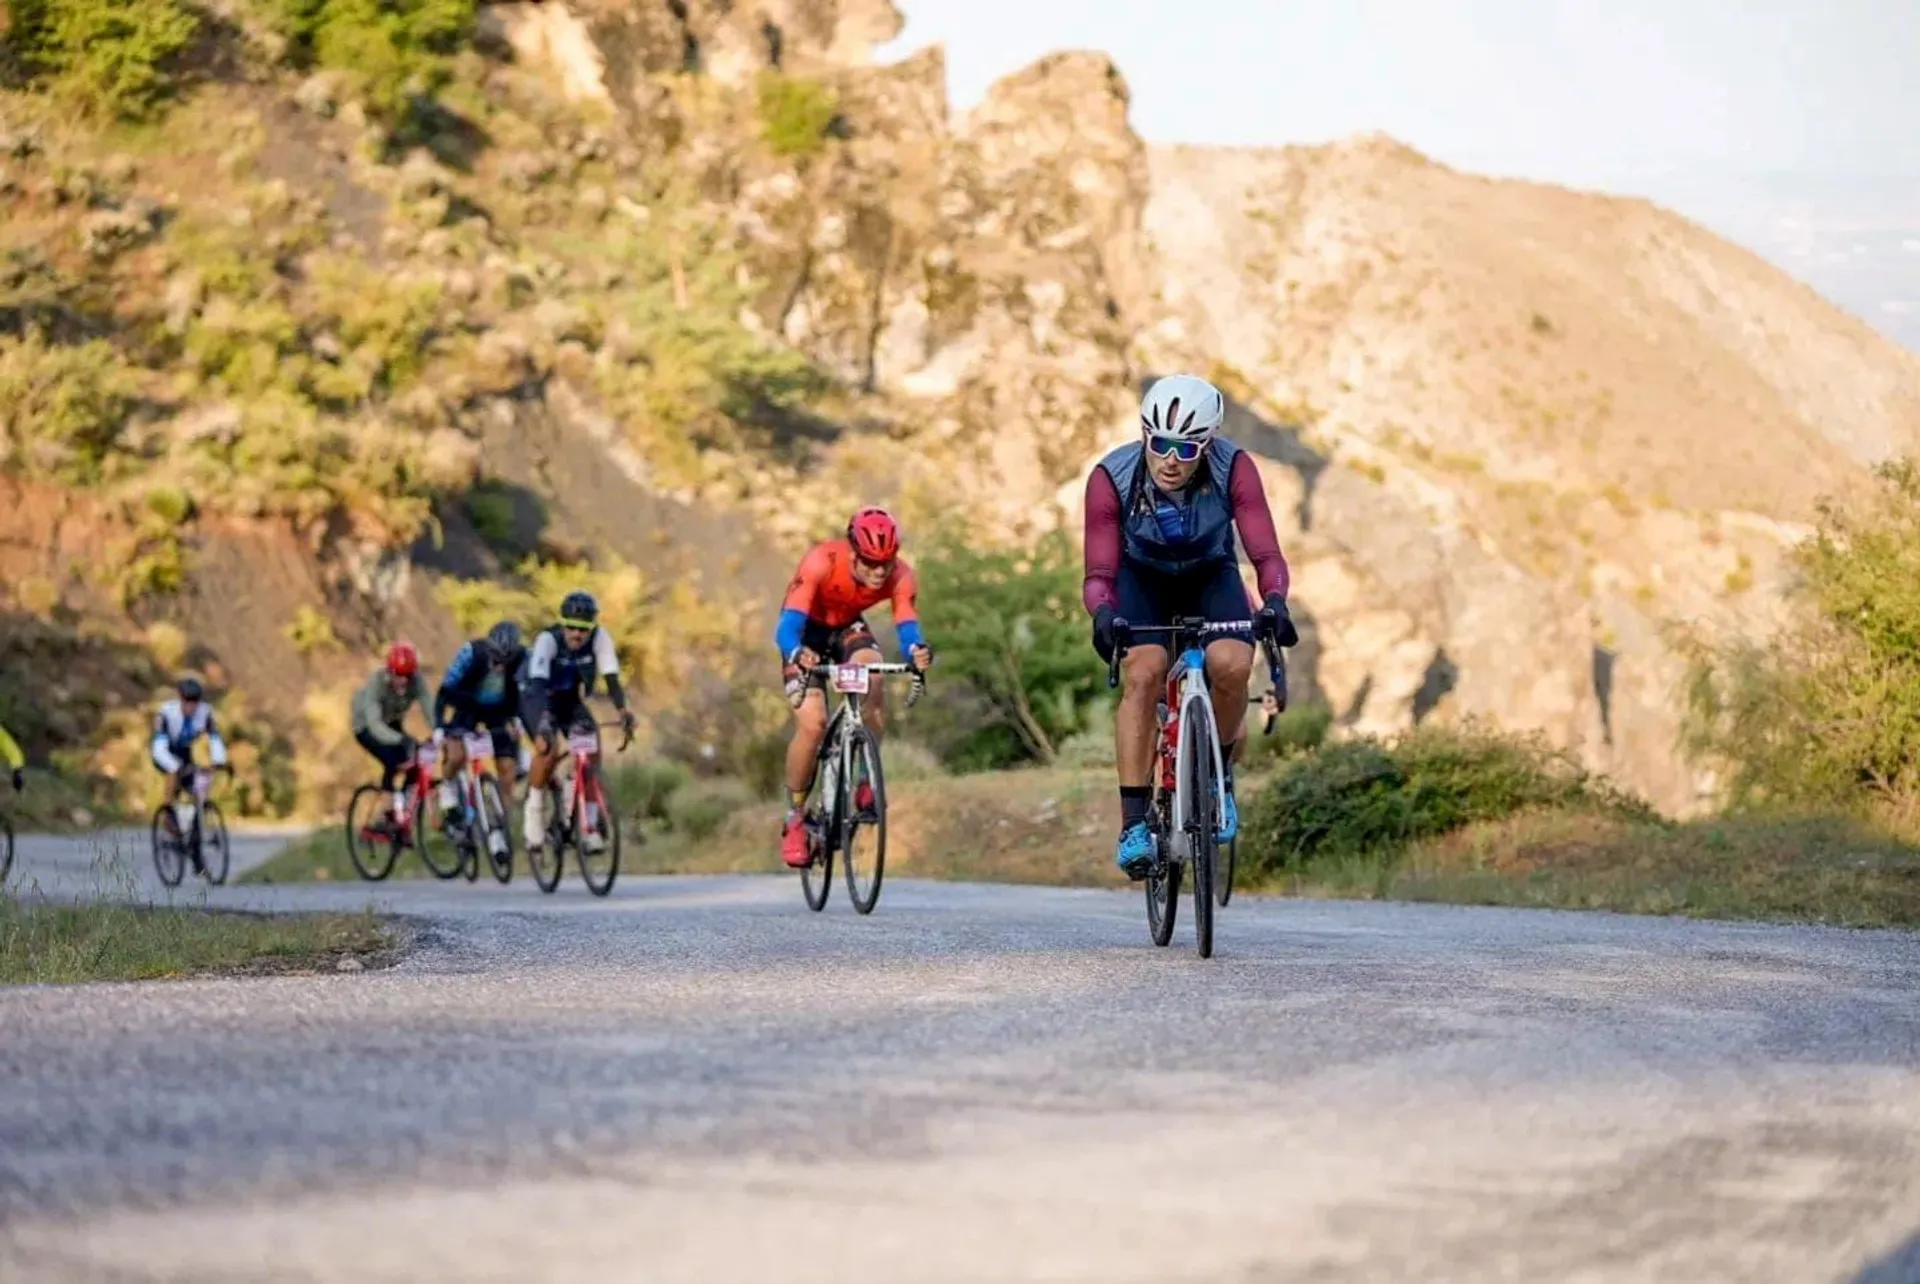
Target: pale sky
[(1583, 91), (1790, 126)]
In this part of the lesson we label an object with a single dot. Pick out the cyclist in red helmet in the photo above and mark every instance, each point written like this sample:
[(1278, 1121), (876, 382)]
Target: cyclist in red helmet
[(380, 710), (822, 621)]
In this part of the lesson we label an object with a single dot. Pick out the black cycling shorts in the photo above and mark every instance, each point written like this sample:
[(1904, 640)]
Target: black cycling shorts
[(391, 757), (464, 719), (568, 709), (836, 646), (1148, 598)]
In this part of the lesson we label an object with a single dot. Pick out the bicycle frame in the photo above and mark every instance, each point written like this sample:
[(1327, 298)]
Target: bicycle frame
[(853, 682), (1187, 682)]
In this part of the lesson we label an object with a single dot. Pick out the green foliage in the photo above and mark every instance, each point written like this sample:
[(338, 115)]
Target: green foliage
[(63, 408), (1009, 625), (396, 52), (1301, 729), (310, 630), (107, 58), (698, 811), (647, 789), (1828, 713), (796, 114), (1365, 797)]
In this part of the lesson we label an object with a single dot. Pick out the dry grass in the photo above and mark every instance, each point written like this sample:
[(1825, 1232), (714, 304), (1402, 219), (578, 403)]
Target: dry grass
[(1805, 869), (44, 944)]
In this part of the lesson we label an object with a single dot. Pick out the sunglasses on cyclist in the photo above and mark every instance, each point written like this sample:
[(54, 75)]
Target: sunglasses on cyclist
[(577, 626), (1179, 447), (871, 568)]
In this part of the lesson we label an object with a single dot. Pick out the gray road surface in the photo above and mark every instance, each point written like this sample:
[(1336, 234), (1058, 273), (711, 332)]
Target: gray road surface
[(697, 1080)]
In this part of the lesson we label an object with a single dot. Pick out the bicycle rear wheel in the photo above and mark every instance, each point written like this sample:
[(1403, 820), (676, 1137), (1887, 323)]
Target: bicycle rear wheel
[(6, 846), (215, 854), (1163, 880), (598, 869), (865, 869), (1196, 741), (549, 860), (371, 849), (816, 880), (169, 853), (493, 810)]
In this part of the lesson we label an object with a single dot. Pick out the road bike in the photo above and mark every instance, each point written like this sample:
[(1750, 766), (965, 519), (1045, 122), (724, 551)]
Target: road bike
[(381, 823), (580, 809), (189, 829), (850, 756), (1189, 791), (482, 823)]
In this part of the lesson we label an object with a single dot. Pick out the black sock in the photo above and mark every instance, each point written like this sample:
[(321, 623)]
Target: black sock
[(1134, 801)]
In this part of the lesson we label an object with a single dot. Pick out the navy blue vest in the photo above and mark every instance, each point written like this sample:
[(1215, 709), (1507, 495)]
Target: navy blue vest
[(1206, 541)]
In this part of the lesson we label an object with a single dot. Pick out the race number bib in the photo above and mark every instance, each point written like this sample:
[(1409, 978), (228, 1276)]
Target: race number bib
[(851, 678)]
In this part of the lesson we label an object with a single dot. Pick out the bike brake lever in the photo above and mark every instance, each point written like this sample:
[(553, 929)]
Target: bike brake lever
[(918, 689)]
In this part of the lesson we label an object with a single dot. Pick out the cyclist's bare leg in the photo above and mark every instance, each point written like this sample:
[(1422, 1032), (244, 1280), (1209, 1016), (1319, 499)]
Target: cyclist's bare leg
[(873, 709), (454, 756), (1229, 672), (508, 770), (809, 729), (1143, 679)]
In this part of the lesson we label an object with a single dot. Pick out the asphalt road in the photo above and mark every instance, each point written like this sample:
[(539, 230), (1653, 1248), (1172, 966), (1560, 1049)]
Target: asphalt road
[(698, 1080)]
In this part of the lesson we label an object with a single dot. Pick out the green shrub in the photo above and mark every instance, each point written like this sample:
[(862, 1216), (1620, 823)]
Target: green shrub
[(1366, 797), (647, 789), (108, 58), (697, 811), (63, 409), (490, 508), (796, 114), (311, 631), (394, 51), (1828, 712), (1301, 729)]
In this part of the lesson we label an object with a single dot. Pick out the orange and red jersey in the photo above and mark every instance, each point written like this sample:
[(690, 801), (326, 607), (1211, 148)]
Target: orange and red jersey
[(824, 592)]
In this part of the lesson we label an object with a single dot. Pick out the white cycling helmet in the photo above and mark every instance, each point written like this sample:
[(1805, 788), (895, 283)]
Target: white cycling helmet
[(1183, 406)]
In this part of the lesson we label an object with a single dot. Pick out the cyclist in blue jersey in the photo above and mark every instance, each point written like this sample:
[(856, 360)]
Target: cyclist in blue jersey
[(481, 688)]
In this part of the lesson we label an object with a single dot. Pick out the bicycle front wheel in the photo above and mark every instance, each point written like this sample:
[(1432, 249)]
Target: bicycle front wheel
[(1223, 872), (866, 846), (498, 832), (169, 852), (370, 845), (599, 867), (1196, 742), (215, 854)]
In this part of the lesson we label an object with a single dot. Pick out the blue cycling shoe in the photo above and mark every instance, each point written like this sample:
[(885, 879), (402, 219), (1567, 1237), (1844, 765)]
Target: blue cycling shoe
[(1135, 854), (1229, 819)]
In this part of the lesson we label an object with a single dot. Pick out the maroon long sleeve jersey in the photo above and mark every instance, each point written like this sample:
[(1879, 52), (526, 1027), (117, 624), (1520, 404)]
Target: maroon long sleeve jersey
[(1251, 516)]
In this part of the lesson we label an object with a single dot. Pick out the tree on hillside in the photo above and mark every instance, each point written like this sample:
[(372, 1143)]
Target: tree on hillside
[(1828, 713), (1009, 624)]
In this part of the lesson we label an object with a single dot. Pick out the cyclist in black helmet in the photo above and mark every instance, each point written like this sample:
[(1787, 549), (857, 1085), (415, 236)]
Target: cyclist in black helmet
[(481, 688), (561, 667)]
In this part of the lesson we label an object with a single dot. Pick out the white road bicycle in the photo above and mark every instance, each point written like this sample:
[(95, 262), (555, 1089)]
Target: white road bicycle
[(848, 756), (1189, 775)]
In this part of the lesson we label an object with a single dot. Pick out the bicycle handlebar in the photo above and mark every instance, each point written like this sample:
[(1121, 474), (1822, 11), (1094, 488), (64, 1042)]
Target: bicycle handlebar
[(1124, 634), (918, 689)]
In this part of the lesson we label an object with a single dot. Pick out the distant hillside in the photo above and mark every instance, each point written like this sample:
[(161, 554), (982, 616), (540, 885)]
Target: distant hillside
[(327, 330)]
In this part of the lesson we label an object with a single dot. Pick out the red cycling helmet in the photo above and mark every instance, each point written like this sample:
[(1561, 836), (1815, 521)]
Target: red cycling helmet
[(875, 536), (402, 660)]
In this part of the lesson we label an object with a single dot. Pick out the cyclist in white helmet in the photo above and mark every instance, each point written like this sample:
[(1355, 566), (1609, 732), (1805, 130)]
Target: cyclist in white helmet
[(1161, 515)]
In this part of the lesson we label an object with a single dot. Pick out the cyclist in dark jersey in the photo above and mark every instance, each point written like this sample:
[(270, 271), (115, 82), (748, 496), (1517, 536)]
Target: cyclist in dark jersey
[(481, 688), (1160, 520), (561, 667)]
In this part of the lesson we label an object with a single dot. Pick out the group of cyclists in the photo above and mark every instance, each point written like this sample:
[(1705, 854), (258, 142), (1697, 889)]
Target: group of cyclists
[(1161, 518)]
